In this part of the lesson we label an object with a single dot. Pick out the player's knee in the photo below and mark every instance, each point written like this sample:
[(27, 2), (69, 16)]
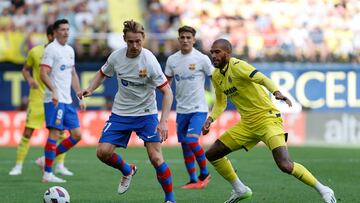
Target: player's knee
[(76, 136), (209, 156), (156, 160), (103, 155), (27, 135), (285, 166)]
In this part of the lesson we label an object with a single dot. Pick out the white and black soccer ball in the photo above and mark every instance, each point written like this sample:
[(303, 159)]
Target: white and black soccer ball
[(56, 194)]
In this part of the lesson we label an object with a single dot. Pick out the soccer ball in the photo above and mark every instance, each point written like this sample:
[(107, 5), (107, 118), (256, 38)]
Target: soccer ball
[(56, 194)]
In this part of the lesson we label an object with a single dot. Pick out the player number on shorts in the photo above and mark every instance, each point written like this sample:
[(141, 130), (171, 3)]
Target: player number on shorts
[(107, 126), (59, 114)]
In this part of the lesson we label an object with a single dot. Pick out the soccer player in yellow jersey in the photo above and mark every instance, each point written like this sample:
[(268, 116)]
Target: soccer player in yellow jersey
[(35, 111), (260, 121)]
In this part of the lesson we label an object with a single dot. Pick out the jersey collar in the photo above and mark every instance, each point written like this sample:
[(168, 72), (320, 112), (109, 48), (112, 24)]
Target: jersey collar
[(223, 71)]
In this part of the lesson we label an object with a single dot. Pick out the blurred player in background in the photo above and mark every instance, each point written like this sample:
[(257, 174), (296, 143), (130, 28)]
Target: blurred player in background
[(57, 71), (134, 109), (260, 121), (190, 67), (35, 110)]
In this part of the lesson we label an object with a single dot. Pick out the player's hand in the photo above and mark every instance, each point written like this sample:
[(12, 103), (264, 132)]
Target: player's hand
[(279, 96), (55, 98), (162, 129), (33, 84), (206, 126), (82, 104), (85, 93)]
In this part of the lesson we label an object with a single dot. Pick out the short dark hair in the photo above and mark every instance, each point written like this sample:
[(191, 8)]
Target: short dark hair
[(186, 28), (225, 43), (50, 30), (133, 26), (59, 22)]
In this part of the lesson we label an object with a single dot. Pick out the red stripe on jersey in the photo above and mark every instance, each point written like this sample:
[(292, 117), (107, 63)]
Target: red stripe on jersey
[(45, 65), (165, 83)]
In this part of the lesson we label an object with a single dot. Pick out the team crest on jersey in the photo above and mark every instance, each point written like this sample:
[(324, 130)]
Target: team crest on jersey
[(142, 73), (58, 121), (192, 66), (230, 79)]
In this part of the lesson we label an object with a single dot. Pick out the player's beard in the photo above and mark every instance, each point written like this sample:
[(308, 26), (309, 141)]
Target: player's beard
[(221, 63)]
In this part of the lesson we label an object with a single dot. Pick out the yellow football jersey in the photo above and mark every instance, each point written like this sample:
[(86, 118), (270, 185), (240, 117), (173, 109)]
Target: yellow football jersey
[(33, 61), (242, 83)]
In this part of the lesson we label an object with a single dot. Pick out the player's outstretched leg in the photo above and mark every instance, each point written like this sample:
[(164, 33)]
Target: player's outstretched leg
[(105, 152), (216, 155), (282, 159), (302, 174), (126, 180), (224, 168)]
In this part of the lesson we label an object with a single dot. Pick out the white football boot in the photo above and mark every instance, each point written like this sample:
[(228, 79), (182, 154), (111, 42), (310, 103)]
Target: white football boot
[(328, 195), (235, 196), (51, 178), (126, 180), (62, 170), (17, 170)]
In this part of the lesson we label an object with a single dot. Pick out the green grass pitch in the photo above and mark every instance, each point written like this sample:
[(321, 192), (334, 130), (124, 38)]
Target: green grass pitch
[(95, 182)]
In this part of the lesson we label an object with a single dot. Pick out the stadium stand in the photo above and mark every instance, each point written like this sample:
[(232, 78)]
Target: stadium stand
[(264, 31)]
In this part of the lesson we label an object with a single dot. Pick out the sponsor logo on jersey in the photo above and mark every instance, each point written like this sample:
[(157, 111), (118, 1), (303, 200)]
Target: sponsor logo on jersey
[(142, 73), (58, 121), (64, 67), (124, 82), (190, 77), (129, 83), (192, 66), (231, 91)]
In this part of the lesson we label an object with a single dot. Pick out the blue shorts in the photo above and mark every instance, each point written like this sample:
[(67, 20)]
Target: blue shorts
[(64, 117), (118, 129), (189, 123)]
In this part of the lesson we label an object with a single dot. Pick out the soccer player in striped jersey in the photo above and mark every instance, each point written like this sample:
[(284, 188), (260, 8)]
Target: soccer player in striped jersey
[(35, 110), (260, 121), (189, 68), (135, 110), (57, 71)]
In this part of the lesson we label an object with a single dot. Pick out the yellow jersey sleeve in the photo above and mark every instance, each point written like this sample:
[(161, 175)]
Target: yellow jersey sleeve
[(248, 72), (30, 59), (220, 98)]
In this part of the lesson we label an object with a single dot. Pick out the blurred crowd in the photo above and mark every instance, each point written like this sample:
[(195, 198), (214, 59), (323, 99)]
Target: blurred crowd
[(278, 30), (29, 18)]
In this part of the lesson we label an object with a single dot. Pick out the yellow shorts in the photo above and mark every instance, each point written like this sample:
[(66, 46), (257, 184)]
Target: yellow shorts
[(239, 136), (35, 115)]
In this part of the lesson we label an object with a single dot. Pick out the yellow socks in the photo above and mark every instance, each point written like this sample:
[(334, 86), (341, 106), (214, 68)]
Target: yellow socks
[(301, 173), (224, 168), (22, 150)]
